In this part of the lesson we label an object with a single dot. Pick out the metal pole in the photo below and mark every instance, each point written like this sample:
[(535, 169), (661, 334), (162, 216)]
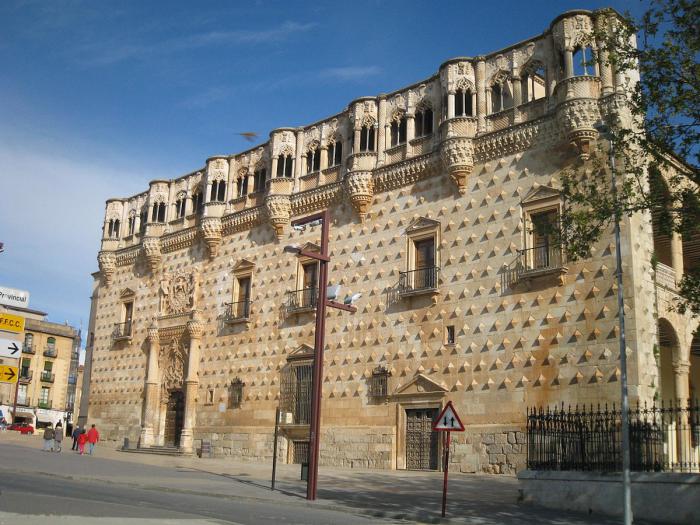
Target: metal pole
[(626, 480), (319, 343), (446, 469), (14, 408), (274, 448)]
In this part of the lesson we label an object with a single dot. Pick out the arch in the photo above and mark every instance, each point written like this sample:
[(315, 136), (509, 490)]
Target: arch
[(501, 87), (335, 149), (661, 218), (533, 80), (694, 374), (584, 60), (668, 352)]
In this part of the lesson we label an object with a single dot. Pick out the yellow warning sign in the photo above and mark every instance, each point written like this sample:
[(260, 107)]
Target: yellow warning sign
[(8, 374), (11, 323)]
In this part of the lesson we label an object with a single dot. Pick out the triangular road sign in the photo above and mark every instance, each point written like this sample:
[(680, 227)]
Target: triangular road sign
[(448, 420)]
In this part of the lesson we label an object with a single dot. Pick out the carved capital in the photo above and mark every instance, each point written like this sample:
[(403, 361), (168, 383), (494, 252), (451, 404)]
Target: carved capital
[(458, 156), (151, 249), (153, 335), (195, 326), (211, 232), (107, 262), (279, 211), (681, 368), (576, 118), (360, 188)]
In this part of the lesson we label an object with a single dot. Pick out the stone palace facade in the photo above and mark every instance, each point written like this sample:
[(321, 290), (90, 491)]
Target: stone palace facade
[(441, 196)]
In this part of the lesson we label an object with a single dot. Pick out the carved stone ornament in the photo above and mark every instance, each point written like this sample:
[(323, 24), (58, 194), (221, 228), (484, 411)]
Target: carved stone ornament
[(178, 292), (195, 326), (172, 363), (576, 118), (218, 169), (153, 333), (458, 156), (107, 262), (360, 188), (211, 232), (279, 211), (151, 249)]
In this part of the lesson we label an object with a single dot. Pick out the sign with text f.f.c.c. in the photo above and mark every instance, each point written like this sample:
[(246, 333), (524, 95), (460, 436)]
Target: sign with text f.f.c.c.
[(12, 297), (11, 323)]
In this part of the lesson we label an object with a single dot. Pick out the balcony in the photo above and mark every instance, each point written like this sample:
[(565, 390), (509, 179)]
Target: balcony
[(420, 281), (50, 351), (22, 401), (47, 377), (44, 404), (302, 300), (28, 349), (666, 276), (238, 312), (534, 263), (25, 376), (122, 331)]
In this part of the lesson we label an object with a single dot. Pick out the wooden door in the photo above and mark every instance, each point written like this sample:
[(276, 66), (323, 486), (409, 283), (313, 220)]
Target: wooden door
[(174, 418), (421, 441)]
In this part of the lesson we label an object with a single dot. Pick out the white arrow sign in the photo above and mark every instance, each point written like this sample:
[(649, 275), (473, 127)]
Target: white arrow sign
[(448, 420), (10, 348)]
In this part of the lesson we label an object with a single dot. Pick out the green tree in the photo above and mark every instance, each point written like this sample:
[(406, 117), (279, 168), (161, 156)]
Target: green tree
[(655, 131)]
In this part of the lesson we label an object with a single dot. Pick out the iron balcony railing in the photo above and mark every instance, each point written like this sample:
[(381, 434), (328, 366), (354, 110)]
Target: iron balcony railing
[(28, 349), (532, 262), (50, 351), (238, 311), (25, 376), (44, 404), (121, 330), (304, 299), (422, 279), (47, 377), (663, 438), (23, 401)]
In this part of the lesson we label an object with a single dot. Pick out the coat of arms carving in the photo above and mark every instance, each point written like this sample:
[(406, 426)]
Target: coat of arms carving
[(178, 292)]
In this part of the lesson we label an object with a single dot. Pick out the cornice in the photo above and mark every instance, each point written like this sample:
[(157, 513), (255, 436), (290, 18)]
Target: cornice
[(242, 220), (178, 240), (316, 198)]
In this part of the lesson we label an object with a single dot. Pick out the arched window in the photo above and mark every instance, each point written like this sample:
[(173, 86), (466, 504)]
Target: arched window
[(583, 61), (424, 122), (144, 220), (158, 213), (218, 191), (398, 130), (501, 96), (285, 165), (259, 180), (463, 103), (113, 229), (367, 137), (533, 83), (313, 160), (335, 153), (51, 343), (242, 185), (132, 222), (198, 202), (180, 206)]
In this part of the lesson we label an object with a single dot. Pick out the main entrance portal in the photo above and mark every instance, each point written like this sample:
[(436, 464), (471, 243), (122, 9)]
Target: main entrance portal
[(421, 441), (174, 418)]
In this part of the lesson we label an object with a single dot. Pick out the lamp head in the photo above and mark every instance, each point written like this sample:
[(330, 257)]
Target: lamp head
[(292, 248)]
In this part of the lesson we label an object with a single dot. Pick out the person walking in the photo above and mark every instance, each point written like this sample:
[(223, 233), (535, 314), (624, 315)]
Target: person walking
[(58, 437), (93, 437), (82, 439), (75, 435), (48, 438)]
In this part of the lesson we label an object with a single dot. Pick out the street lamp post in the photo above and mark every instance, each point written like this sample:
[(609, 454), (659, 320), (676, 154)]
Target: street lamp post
[(319, 341), (626, 479)]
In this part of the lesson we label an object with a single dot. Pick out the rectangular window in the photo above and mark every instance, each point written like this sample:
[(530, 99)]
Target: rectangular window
[(367, 138), (22, 395), (26, 364), (44, 395), (544, 251), (259, 180), (127, 317), (243, 298), (450, 335), (48, 366), (335, 154), (424, 274)]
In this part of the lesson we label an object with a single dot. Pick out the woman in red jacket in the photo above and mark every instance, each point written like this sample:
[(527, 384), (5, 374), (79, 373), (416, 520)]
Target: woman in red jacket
[(82, 439)]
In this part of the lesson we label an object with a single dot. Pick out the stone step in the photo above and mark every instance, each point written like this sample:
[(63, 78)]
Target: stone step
[(157, 450)]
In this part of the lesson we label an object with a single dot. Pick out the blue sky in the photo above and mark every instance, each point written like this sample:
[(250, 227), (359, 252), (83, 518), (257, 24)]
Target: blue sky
[(97, 98)]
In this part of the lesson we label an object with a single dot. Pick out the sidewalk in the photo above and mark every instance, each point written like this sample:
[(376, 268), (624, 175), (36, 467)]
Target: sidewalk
[(403, 495)]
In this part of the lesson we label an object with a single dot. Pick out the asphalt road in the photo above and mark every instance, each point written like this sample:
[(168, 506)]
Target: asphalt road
[(28, 498)]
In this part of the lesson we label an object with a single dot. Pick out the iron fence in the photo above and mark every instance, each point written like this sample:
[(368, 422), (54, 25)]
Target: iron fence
[(50, 351), (121, 330), (28, 349), (532, 261), (47, 377), (302, 299), (237, 311), (418, 280), (663, 438)]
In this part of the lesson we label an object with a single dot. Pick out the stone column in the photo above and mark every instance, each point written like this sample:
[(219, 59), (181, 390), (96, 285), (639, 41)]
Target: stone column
[(275, 161), (410, 132), (451, 104), (481, 95), (251, 181), (323, 161), (568, 62), (297, 157), (517, 97), (681, 370), (381, 129), (194, 330), (151, 393), (356, 139), (677, 255)]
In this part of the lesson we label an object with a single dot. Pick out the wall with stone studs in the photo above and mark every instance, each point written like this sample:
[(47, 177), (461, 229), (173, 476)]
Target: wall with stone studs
[(548, 345)]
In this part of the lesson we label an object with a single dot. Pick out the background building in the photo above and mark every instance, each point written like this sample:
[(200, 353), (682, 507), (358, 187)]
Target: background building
[(47, 369), (443, 197)]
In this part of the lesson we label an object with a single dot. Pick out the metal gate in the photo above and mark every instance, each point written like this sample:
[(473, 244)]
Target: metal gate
[(300, 452), (174, 418), (421, 441)]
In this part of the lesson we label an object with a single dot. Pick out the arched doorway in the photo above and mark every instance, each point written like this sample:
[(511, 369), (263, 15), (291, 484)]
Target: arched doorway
[(668, 352)]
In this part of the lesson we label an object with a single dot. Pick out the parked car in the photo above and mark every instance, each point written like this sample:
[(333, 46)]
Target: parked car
[(24, 428)]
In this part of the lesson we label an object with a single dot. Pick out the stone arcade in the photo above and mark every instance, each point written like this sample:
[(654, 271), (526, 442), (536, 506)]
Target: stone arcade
[(440, 194)]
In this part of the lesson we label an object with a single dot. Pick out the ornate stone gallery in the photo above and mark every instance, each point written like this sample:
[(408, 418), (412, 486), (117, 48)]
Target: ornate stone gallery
[(442, 197)]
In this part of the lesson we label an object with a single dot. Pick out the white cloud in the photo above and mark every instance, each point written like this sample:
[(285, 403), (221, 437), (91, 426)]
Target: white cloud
[(350, 72)]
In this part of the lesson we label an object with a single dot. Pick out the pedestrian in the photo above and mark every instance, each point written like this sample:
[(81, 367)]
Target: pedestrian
[(58, 436), (48, 438), (75, 436), (82, 439), (93, 437)]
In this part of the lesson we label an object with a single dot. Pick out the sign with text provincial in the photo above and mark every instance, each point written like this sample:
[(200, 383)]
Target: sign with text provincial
[(12, 297), (11, 323)]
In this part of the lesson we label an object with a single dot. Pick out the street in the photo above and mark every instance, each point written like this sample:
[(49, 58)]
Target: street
[(152, 490)]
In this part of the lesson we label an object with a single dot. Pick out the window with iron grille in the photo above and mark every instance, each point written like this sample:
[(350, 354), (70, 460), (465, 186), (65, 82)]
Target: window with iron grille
[(379, 382), (300, 452), (235, 393), (295, 395)]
